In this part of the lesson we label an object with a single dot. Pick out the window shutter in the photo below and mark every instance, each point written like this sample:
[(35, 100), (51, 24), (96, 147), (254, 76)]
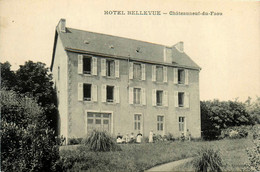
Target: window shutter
[(187, 100), (165, 98), (131, 74), (154, 97), (143, 71), (104, 93), (130, 95), (117, 94), (153, 73), (94, 66), (117, 68), (175, 75), (143, 96), (164, 74), (176, 100), (103, 67), (94, 93), (80, 91), (80, 64), (186, 77)]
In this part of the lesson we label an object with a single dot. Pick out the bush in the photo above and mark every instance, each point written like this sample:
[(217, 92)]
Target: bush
[(101, 141), (218, 115), (74, 141), (235, 132), (254, 152), (208, 160), (169, 137), (27, 144)]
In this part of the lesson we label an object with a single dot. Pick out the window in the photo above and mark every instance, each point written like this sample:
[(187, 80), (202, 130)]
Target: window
[(110, 93), (87, 65), (181, 99), (137, 95), (110, 68), (137, 122), (181, 76), (159, 97), (137, 71), (159, 73), (160, 123), (181, 123), (87, 92)]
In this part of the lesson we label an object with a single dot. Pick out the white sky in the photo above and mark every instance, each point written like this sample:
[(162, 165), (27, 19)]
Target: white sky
[(226, 47)]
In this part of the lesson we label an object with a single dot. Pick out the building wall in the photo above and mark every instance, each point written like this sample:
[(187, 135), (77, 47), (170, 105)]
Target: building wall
[(61, 86), (123, 113)]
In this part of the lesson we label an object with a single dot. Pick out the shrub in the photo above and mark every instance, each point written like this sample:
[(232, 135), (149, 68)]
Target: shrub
[(254, 152), (101, 141), (208, 160), (27, 143), (157, 137), (74, 141), (169, 137), (235, 132)]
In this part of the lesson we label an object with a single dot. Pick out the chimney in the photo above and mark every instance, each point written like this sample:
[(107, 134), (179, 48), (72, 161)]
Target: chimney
[(62, 25), (179, 46)]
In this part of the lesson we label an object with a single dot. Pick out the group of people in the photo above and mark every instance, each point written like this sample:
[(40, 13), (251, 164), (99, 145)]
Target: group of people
[(138, 139), (129, 139)]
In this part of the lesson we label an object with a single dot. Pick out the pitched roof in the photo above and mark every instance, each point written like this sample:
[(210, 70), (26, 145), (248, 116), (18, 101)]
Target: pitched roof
[(121, 47)]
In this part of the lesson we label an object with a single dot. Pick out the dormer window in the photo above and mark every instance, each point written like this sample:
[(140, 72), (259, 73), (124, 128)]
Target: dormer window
[(138, 50)]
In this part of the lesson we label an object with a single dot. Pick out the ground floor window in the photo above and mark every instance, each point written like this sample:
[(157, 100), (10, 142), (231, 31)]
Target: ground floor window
[(160, 123), (181, 124), (137, 122), (98, 121)]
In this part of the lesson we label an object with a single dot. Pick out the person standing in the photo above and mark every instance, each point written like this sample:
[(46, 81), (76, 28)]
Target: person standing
[(151, 136), (139, 138)]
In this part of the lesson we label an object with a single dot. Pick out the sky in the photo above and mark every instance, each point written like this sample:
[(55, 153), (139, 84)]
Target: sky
[(226, 47)]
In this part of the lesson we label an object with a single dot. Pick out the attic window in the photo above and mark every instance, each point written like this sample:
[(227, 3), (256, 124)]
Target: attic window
[(86, 42), (138, 50), (111, 46)]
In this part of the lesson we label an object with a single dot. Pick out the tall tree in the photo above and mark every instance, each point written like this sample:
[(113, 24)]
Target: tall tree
[(35, 80), (7, 76)]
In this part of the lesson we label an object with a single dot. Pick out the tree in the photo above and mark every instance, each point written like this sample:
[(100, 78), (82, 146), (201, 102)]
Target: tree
[(217, 115), (35, 80), (27, 143), (8, 77)]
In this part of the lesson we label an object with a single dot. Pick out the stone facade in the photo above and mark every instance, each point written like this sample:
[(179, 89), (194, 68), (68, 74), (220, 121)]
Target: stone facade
[(130, 110)]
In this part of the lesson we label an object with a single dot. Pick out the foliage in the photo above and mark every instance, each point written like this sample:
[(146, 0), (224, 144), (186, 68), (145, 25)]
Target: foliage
[(27, 144), (217, 115), (101, 141), (254, 152), (235, 132), (8, 77), (74, 141), (253, 108), (208, 159), (169, 137), (33, 80)]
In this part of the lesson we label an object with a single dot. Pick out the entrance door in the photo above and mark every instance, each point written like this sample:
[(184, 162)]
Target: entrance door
[(98, 121)]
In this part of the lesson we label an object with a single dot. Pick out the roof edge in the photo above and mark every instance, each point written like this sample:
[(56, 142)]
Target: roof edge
[(127, 58)]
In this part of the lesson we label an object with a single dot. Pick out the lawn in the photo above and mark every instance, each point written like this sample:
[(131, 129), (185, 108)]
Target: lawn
[(140, 157)]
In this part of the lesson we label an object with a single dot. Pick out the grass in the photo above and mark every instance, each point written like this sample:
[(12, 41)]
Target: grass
[(140, 157), (233, 154)]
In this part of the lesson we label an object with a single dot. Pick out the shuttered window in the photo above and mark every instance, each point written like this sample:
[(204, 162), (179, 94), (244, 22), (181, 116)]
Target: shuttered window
[(164, 74), (137, 71), (159, 73), (130, 70)]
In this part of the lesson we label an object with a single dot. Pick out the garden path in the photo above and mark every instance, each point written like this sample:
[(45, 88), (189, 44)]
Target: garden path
[(170, 166)]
